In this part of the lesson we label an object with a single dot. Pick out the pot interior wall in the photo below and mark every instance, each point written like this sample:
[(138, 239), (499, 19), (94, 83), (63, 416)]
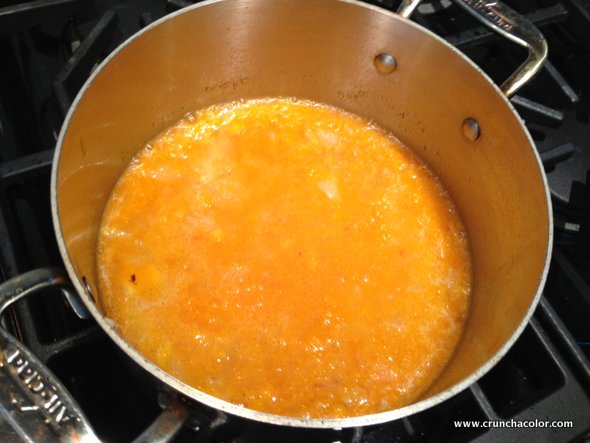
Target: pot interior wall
[(324, 51)]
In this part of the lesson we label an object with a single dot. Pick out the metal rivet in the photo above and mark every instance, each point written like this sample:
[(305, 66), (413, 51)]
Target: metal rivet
[(471, 129), (385, 63)]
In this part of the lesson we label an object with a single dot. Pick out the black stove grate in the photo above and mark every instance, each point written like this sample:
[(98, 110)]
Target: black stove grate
[(49, 48)]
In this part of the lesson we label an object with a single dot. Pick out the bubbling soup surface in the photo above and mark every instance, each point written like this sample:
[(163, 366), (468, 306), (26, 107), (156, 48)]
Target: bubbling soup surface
[(286, 256)]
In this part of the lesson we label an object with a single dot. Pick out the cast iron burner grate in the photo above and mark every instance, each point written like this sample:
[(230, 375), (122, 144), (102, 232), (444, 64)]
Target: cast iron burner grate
[(47, 50)]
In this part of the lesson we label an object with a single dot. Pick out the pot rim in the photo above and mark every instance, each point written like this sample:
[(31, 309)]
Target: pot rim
[(240, 411)]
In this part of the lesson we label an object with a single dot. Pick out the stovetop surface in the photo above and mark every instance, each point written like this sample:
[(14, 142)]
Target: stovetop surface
[(47, 52)]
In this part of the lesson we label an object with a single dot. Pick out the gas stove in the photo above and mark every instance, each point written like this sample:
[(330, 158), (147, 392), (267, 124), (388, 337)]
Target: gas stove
[(47, 50)]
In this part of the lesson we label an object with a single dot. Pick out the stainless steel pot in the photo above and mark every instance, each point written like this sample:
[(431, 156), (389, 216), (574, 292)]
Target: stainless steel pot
[(360, 58)]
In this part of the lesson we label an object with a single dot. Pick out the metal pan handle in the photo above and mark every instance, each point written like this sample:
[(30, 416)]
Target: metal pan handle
[(507, 22), (34, 402)]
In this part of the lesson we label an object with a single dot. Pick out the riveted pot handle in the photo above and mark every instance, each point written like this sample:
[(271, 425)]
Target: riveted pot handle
[(507, 22), (510, 24), (34, 402)]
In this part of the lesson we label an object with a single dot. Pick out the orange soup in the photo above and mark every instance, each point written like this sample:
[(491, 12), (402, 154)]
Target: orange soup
[(286, 256)]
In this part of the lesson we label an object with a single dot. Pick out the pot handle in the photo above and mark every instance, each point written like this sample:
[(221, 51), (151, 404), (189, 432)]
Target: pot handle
[(34, 402), (507, 22)]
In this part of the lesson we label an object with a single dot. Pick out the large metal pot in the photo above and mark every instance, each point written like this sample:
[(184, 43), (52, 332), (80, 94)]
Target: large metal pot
[(360, 58)]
